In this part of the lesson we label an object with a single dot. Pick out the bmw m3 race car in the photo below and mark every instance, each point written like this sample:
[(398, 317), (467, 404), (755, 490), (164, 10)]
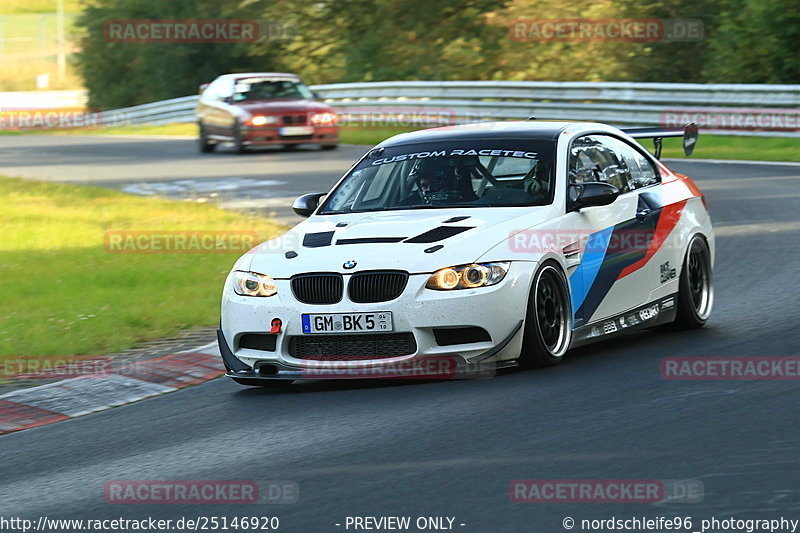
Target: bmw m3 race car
[(489, 245)]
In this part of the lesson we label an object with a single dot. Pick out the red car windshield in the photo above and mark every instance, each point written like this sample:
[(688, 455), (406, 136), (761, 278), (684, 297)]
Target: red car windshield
[(249, 89)]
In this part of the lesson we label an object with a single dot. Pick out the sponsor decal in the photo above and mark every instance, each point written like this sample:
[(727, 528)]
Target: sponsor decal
[(627, 320), (456, 152), (667, 273)]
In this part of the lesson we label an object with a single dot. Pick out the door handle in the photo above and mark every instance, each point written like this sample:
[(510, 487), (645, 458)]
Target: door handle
[(641, 214)]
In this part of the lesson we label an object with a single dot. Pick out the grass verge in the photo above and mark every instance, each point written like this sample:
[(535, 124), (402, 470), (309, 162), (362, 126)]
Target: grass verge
[(708, 146), (62, 293)]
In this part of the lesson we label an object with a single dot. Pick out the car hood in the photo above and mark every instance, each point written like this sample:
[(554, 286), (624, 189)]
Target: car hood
[(282, 106), (319, 241)]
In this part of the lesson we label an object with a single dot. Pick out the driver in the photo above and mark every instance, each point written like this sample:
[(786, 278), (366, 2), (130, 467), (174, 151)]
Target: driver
[(438, 180)]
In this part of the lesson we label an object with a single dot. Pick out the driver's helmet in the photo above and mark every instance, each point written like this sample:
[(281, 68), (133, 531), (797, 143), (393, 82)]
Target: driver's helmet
[(433, 175)]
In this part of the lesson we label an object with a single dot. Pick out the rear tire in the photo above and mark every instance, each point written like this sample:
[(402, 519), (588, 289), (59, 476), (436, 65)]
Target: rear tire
[(269, 384), (696, 288), (548, 321), (203, 143)]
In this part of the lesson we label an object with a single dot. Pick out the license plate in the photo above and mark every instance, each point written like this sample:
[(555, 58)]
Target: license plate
[(347, 322), (288, 131)]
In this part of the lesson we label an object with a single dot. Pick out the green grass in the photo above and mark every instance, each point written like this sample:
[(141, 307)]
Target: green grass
[(62, 293)]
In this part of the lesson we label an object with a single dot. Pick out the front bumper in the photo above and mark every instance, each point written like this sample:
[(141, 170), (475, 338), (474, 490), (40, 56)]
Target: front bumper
[(453, 367), (499, 310), (267, 135)]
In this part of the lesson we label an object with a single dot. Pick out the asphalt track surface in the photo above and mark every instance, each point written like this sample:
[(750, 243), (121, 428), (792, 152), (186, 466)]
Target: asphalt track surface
[(450, 448)]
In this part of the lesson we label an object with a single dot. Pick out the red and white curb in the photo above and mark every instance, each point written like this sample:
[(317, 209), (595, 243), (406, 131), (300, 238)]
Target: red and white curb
[(61, 400)]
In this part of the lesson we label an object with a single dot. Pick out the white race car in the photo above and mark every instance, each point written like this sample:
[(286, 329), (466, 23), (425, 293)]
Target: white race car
[(485, 245)]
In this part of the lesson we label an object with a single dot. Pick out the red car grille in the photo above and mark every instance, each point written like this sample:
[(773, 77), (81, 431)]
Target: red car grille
[(294, 119)]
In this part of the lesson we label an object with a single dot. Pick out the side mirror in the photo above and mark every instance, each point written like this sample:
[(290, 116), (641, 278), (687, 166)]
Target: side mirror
[(316, 95), (307, 204), (591, 194), (203, 87)]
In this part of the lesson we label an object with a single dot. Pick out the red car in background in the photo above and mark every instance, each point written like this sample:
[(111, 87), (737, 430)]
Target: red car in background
[(263, 108)]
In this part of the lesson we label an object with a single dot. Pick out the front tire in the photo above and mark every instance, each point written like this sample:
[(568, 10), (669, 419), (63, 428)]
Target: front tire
[(329, 146), (203, 143), (548, 322), (238, 143), (696, 288)]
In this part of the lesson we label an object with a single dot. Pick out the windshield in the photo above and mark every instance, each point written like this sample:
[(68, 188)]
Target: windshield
[(269, 89), (490, 173)]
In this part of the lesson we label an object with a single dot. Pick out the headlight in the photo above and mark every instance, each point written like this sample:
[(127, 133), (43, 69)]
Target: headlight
[(323, 118), (468, 276), (260, 120), (252, 284)]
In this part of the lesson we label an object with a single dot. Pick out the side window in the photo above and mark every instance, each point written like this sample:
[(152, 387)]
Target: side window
[(641, 171), (592, 158), (609, 160)]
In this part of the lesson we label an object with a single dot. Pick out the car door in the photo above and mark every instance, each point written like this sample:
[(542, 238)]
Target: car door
[(609, 241), (217, 117)]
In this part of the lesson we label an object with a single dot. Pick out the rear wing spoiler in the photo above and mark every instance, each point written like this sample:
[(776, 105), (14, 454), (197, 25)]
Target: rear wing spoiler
[(688, 132)]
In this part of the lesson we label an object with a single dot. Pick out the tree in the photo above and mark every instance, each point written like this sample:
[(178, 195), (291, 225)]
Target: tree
[(120, 74), (757, 42)]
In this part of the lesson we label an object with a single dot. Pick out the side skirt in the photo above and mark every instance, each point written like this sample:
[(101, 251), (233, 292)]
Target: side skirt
[(653, 314)]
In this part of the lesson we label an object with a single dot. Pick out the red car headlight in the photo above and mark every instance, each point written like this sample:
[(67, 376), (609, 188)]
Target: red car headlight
[(323, 119)]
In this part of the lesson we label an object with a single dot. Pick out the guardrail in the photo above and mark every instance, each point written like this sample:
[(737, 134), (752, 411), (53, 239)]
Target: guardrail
[(761, 110)]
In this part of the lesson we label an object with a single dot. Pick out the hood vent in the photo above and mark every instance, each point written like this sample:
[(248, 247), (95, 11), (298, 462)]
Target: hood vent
[(370, 240), (456, 219), (316, 240), (438, 234)]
